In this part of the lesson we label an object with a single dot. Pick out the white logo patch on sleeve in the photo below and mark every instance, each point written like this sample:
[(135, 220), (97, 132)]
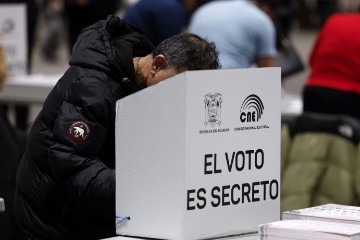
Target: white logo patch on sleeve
[(79, 131)]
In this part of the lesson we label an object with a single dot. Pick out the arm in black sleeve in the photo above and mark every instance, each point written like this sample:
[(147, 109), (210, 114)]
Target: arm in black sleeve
[(74, 160)]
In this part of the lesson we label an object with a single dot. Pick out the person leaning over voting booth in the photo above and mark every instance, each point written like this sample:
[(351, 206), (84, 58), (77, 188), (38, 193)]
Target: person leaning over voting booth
[(66, 178)]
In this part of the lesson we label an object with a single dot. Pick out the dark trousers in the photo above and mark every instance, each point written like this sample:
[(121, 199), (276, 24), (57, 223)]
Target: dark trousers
[(331, 101)]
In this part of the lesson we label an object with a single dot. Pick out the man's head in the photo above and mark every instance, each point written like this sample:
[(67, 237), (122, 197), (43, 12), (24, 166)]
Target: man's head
[(182, 52)]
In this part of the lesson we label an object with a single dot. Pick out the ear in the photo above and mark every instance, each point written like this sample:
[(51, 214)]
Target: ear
[(158, 63)]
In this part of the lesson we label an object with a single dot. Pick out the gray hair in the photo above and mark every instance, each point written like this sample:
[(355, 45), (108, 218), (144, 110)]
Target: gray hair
[(188, 51)]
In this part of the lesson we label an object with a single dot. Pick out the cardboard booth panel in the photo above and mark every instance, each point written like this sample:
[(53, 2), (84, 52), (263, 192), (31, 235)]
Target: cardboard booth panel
[(198, 155), (13, 36)]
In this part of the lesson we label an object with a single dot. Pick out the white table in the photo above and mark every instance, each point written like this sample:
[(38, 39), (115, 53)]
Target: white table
[(254, 236), (28, 88), (35, 88)]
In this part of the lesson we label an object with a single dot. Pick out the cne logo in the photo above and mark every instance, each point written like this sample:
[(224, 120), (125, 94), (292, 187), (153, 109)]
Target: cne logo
[(213, 109), (251, 109)]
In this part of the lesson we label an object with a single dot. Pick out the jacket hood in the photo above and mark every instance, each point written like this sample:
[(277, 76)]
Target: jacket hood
[(110, 46)]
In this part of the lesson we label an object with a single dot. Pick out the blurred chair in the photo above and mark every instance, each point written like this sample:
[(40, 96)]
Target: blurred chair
[(320, 161)]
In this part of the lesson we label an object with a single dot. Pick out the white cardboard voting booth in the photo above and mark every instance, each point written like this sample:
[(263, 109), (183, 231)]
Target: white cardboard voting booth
[(198, 155)]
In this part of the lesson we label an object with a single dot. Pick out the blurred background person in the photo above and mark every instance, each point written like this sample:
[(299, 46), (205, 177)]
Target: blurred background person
[(242, 30), (333, 86), (161, 19), (53, 16), (349, 5), (313, 13), (284, 14), (82, 13)]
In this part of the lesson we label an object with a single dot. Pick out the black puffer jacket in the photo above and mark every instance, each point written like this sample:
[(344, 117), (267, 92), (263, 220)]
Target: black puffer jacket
[(66, 179)]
